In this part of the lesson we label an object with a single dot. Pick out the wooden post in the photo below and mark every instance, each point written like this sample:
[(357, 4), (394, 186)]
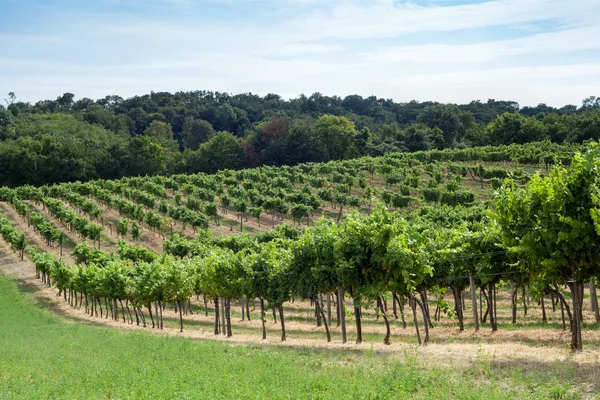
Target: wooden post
[(342, 313), (513, 301), (224, 329), (328, 309), (576, 334), (474, 303), (594, 298), (243, 310)]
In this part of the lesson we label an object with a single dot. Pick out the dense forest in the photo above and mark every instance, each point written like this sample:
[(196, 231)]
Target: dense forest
[(200, 131)]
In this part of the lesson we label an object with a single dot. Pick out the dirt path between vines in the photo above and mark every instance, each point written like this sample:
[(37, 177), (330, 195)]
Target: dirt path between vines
[(106, 243), (34, 239), (149, 240)]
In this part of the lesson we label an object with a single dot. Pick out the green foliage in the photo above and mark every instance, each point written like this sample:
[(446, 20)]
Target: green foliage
[(455, 198), (122, 227), (41, 149), (336, 134), (135, 253), (453, 123), (162, 133), (399, 201), (496, 183), (84, 254), (135, 231), (515, 128), (9, 233), (554, 220), (432, 248), (147, 156), (420, 137), (196, 132), (223, 151), (45, 228), (432, 194)]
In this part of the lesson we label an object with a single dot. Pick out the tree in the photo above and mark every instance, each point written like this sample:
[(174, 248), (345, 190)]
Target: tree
[(590, 102), (256, 212), (419, 137), (553, 226), (95, 114), (146, 156), (225, 118), (12, 97), (179, 285), (162, 132), (137, 120), (454, 123), (122, 227), (5, 119), (135, 231), (223, 151), (584, 126), (267, 142), (353, 257), (337, 135), (515, 128), (196, 132), (312, 269), (300, 143), (40, 149), (65, 101), (274, 265)]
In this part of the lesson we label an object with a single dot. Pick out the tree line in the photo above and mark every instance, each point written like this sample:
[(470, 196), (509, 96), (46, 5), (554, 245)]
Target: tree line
[(187, 132)]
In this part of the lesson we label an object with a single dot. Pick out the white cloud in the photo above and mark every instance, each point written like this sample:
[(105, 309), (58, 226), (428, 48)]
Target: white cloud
[(314, 48), (587, 38), (384, 18)]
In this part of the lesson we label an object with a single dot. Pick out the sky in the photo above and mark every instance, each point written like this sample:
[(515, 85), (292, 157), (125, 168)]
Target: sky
[(529, 51)]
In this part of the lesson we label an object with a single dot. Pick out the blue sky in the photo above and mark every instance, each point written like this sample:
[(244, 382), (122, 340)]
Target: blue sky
[(530, 51)]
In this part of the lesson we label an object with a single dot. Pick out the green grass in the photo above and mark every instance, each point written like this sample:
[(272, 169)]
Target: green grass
[(43, 355)]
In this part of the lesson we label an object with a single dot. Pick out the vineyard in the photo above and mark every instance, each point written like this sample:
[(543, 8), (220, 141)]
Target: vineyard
[(405, 247)]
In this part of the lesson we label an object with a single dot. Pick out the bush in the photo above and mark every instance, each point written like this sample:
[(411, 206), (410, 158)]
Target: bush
[(399, 201), (496, 183), (404, 190), (432, 194), (413, 181), (457, 198), (452, 185), (489, 173)]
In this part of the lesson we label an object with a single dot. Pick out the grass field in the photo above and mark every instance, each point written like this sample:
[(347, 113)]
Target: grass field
[(47, 356)]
